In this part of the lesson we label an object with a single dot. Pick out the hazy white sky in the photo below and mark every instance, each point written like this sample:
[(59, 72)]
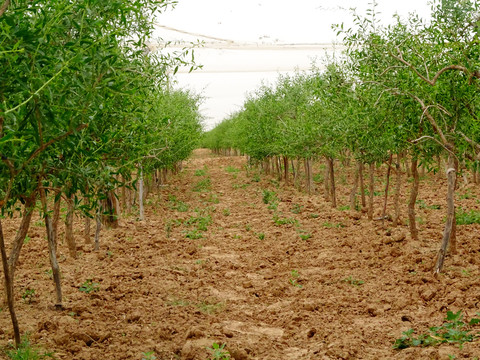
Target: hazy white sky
[(229, 73)]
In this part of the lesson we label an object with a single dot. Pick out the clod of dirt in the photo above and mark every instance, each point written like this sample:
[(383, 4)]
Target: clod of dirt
[(47, 326), (427, 294), (238, 354), (134, 317), (194, 333), (311, 333), (196, 349)]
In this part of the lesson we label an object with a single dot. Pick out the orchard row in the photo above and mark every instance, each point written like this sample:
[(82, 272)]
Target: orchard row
[(408, 92), (85, 109)]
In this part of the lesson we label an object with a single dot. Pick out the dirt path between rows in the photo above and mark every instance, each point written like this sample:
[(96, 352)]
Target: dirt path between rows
[(289, 280)]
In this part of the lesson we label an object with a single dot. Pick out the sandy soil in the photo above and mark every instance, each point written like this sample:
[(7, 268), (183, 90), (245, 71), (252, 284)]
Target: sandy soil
[(213, 266)]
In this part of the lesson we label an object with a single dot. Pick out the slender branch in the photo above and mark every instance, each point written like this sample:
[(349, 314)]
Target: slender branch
[(39, 89), (4, 7), (438, 142), (431, 119), (399, 57), (50, 142)]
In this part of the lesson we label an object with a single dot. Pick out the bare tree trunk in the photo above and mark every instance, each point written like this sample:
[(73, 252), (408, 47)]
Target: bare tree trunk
[(326, 180), (412, 222), (398, 189), (20, 236), (285, 169), (52, 249), (308, 175), (439, 164), (8, 281), (371, 188), (450, 224), (86, 230), (98, 227), (294, 173), (362, 184), (353, 193), (408, 169), (387, 185), (333, 196), (56, 216), (72, 246), (110, 211), (140, 194)]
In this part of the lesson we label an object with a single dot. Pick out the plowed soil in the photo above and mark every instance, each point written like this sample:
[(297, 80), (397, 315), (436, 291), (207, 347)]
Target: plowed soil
[(290, 280)]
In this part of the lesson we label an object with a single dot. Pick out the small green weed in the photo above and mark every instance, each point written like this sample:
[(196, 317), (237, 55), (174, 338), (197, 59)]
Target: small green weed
[(296, 209), (89, 286), (226, 212), (29, 295), (344, 208), (149, 355), (351, 281), (294, 276), (261, 236), (201, 222), (26, 240), (200, 172), (256, 178), (203, 185), (232, 170), (314, 216), (331, 225), (423, 205), (318, 178), (269, 196), (213, 198), (219, 352), (210, 308), (177, 204), (454, 330), (194, 234), (467, 217), (305, 236), (240, 186), (26, 351), (284, 221)]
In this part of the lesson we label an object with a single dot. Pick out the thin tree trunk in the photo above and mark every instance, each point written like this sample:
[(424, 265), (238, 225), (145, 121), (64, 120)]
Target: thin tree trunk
[(362, 184), (450, 224), (140, 194), (123, 196), (353, 193), (412, 222), (56, 216), (398, 189), (387, 185), (52, 249), (8, 281), (333, 196), (326, 180), (86, 230), (20, 236), (69, 237), (408, 169), (371, 173), (98, 228), (285, 169), (294, 173)]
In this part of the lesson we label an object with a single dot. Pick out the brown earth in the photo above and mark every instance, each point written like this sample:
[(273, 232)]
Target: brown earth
[(347, 290)]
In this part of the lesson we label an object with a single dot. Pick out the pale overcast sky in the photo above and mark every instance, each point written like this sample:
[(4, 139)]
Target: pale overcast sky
[(229, 73)]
